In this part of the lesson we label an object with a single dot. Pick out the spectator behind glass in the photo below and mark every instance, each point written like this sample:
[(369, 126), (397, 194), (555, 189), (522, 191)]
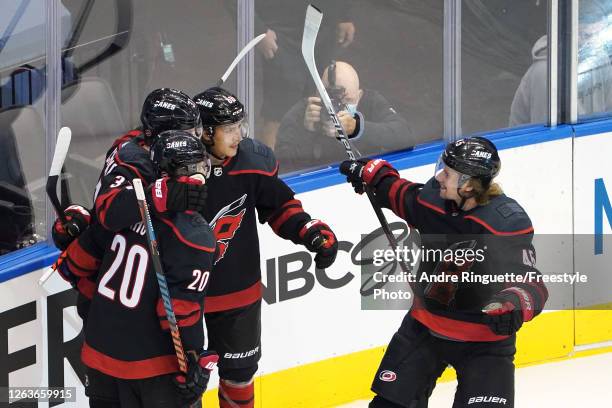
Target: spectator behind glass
[(594, 69), (307, 137), (285, 78)]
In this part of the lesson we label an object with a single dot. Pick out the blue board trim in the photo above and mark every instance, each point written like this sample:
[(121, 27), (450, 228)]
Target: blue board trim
[(428, 154), (27, 260), (42, 255)]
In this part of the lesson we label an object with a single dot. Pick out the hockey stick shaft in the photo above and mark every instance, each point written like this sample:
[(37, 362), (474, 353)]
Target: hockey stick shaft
[(239, 57), (159, 274), (311, 29), (62, 143), (59, 156)]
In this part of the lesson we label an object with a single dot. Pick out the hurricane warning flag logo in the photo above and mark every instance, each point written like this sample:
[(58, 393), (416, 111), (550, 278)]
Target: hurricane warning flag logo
[(226, 223)]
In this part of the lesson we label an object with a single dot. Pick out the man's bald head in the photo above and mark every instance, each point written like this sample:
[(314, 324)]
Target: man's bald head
[(347, 78)]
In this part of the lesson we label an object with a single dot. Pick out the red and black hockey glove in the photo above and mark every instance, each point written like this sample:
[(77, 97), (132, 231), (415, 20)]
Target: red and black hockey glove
[(77, 220), (319, 238), (370, 172), (192, 385), (178, 194), (506, 311)]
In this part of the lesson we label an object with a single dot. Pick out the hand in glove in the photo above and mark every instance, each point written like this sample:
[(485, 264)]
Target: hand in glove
[(370, 172), (318, 237), (178, 194), (77, 220), (506, 311), (192, 385)]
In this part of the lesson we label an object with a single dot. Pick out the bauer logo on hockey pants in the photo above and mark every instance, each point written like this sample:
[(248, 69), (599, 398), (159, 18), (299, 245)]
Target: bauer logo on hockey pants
[(491, 399), (387, 376)]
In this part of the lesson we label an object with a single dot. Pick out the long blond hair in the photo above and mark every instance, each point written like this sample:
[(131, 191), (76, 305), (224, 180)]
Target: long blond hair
[(482, 195)]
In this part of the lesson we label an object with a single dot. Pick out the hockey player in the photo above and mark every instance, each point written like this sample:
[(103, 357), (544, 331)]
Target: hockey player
[(115, 205), (468, 325), (127, 342), (244, 187), (163, 109)]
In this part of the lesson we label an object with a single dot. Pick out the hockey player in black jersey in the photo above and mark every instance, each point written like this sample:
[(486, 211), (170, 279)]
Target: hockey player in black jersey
[(163, 109), (469, 325), (243, 188), (115, 205), (127, 342)]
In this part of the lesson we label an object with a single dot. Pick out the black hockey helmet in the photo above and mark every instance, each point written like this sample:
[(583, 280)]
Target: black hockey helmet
[(169, 109), (179, 153), (218, 107), (473, 157)]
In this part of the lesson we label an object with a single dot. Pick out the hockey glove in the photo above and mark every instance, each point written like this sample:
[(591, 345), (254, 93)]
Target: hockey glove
[(192, 385), (318, 237), (370, 172), (506, 311), (77, 220), (180, 194)]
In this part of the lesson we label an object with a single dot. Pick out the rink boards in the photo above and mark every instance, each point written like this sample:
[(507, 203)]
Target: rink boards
[(319, 347)]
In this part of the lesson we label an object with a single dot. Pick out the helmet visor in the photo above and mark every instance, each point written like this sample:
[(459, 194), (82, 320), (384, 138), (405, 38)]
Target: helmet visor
[(196, 131), (201, 167), (453, 178), (239, 128)]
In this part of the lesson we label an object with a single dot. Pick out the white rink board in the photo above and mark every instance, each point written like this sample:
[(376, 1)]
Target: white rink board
[(324, 323)]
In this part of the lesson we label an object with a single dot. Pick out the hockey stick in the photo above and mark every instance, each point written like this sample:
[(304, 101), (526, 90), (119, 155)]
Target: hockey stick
[(61, 149), (240, 55), (159, 274), (59, 156), (309, 38)]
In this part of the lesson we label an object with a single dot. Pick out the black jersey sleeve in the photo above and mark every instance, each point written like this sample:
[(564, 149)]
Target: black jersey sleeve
[(79, 263), (188, 248), (274, 200), (400, 196), (511, 249), (115, 201)]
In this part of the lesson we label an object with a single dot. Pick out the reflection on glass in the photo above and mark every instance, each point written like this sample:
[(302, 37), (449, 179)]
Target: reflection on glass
[(594, 70), (22, 112), (594, 53), (124, 50), (497, 49)]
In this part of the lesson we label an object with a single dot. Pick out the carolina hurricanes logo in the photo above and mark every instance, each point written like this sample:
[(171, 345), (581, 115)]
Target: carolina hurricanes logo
[(387, 376), (226, 223)]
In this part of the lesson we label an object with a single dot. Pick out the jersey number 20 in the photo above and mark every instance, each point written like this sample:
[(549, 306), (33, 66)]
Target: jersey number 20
[(137, 259)]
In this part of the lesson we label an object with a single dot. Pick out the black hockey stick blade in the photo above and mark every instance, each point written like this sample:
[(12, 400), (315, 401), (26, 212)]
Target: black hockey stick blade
[(61, 150)]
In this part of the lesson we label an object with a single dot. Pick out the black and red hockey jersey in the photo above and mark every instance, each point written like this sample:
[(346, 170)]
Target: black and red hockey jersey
[(115, 201), (503, 233), (241, 191), (127, 334), (79, 263)]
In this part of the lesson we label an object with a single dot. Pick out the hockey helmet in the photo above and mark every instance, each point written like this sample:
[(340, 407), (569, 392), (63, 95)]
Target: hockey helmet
[(169, 109), (178, 153), (219, 107), (472, 157)]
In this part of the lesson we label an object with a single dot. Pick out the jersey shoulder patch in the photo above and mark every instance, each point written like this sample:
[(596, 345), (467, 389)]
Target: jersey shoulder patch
[(256, 158), (134, 157), (503, 216), (192, 230)]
